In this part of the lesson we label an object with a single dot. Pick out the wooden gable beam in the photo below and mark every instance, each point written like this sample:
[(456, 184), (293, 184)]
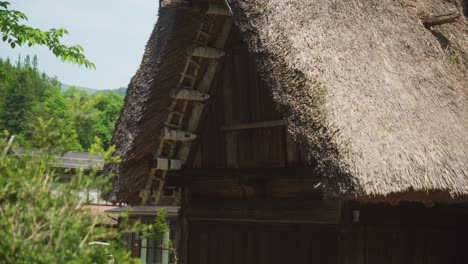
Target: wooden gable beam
[(204, 86)]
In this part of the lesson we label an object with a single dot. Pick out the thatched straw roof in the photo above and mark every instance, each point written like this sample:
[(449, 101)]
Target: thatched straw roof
[(380, 101), (145, 109)]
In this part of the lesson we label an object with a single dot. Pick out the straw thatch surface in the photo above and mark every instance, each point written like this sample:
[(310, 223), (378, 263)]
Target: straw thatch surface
[(380, 101)]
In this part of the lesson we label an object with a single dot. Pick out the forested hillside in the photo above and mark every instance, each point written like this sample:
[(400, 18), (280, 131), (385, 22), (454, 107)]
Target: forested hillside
[(122, 90), (28, 96)]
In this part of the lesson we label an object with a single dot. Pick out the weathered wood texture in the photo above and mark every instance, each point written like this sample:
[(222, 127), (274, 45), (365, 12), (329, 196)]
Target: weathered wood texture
[(243, 127), (275, 183), (241, 188), (406, 234), (245, 243), (253, 231), (267, 211)]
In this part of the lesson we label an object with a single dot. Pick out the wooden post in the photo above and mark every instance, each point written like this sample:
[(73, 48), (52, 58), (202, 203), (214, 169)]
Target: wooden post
[(292, 156), (5, 151)]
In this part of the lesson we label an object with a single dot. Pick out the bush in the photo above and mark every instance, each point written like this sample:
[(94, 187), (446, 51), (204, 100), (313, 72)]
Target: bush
[(43, 220)]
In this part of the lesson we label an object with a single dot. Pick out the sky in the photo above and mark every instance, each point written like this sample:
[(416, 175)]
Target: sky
[(112, 32)]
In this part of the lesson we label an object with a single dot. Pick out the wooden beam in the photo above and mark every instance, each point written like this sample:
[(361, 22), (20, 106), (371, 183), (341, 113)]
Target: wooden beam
[(168, 164), (204, 87), (254, 125), (189, 94), (177, 135), (250, 210), (304, 172), (441, 19), (205, 52)]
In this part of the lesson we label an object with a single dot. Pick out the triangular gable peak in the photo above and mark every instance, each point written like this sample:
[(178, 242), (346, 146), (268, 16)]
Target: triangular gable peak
[(198, 101)]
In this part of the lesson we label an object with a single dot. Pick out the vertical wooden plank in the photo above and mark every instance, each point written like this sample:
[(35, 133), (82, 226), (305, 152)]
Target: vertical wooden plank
[(254, 93), (306, 251), (276, 247), (220, 141), (197, 161), (361, 246), (136, 245), (208, 135), (264, 99), (212, 137), (227, 253), (193, 251), (246, 145), (204, 246), (213, 246), (263, 248), (237, 247), (292, 153), (280, 146), (419, 246), (230, 137), (268, 108), (241, 101), (241, 91), (232, 149)]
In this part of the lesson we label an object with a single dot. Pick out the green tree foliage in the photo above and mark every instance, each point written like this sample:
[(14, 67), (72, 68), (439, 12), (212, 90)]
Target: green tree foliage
[(159, 231), (27, 95), (17, 34), (108, 109), (42, 219)]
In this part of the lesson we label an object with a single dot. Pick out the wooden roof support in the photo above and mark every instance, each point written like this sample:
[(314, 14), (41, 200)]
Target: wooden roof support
[(177, 135), (189, 94), (168, 164), (207, 8), (205, 52), (254, 125), (175, 118), (204, 86)]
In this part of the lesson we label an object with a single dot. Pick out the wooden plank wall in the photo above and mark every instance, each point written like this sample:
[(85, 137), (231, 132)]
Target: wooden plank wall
[(265, 211), (241, 97), (409, 233), (250, 243)]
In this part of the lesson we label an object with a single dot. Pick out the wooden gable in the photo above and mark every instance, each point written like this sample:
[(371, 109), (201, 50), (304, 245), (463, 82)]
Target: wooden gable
[(243, 128)]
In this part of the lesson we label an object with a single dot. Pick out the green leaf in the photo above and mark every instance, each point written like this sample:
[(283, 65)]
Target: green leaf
[(17, 34)]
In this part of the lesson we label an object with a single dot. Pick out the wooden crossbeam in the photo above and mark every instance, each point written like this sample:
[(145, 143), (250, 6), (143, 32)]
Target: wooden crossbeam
[(254, 125), (189, 94), (177, 135), (300, 172), (165, 164), (205, 52)]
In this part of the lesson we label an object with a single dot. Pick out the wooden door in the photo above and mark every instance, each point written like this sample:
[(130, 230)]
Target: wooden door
[(261, 243)]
